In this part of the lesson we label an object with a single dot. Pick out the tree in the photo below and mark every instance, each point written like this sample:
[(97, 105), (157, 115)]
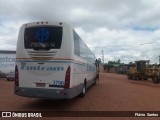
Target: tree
[(108, 66), (119, 61)]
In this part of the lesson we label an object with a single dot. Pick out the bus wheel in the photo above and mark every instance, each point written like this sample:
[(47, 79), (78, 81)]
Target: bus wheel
[(83, 90)]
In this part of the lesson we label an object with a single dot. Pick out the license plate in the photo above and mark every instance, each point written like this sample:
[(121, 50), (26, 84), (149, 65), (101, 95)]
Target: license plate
[(40, 84)]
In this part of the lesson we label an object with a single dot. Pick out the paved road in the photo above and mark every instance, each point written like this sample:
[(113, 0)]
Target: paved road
[(113, 93)]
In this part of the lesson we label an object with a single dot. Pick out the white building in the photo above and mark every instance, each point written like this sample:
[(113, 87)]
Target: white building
[(7, 61)]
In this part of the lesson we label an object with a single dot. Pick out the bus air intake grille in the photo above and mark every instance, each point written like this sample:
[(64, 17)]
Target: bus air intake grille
[(41, 54)]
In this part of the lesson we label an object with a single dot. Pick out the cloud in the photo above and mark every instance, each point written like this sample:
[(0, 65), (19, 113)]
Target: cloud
[(127, 45), (124, 29)]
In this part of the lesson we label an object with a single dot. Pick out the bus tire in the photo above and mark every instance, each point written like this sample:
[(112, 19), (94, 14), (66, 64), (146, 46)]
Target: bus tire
[(82, 94)]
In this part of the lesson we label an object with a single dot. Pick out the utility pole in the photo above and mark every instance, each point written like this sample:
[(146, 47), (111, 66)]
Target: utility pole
[(159, 60), (102, 57)]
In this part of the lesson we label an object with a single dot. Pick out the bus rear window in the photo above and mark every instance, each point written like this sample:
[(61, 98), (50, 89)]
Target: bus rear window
[(43, 38)]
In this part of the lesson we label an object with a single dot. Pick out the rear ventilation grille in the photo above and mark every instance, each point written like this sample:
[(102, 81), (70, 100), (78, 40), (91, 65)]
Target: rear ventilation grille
[(41, 54)]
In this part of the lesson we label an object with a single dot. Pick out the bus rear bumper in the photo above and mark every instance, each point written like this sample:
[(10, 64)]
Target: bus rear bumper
[(43, 93)]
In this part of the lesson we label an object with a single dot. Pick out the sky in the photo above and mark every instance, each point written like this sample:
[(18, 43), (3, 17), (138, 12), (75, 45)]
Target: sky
[(128, 30)]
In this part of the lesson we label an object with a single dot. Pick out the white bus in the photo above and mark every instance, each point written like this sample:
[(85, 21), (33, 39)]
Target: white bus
[(52, 62)]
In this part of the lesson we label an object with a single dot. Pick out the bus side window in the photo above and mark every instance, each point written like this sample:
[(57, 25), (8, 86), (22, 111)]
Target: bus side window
[(76, 44)]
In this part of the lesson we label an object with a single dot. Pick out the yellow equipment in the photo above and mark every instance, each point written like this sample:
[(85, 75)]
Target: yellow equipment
[(142, 71)]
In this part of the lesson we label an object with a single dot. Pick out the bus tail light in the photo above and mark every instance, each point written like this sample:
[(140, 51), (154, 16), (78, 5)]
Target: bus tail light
[(67, 77), (16, 76)]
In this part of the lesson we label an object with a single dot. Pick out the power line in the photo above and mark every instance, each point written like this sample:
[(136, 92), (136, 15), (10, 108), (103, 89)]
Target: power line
[(140, 44)]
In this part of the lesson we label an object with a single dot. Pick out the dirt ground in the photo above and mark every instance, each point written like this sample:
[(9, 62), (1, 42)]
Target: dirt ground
[(113, 93)]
